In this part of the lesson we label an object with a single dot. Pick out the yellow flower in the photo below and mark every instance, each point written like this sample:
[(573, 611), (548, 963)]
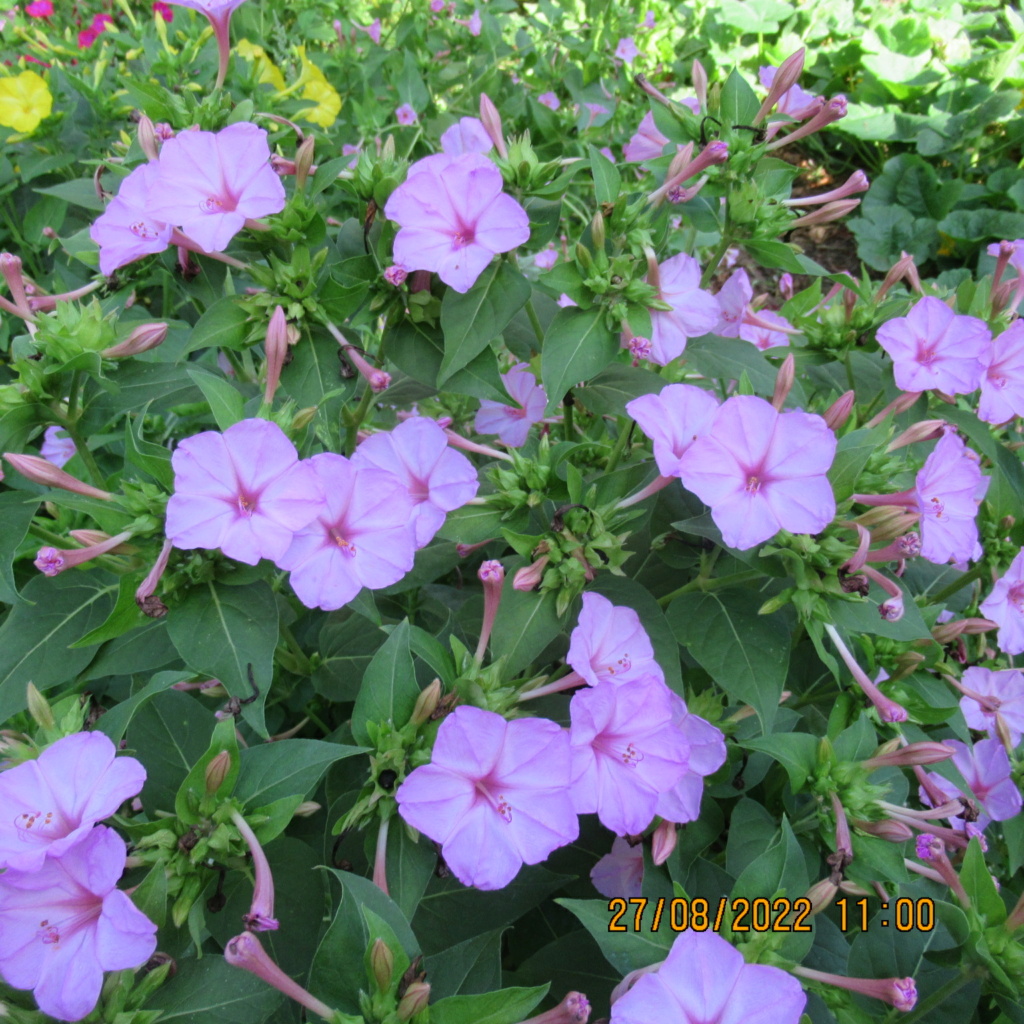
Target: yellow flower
[(24, 101), (267, 70), (320, 91)]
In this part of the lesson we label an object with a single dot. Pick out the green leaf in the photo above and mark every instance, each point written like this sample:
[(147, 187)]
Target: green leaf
[(16, 511), (81, 192), (977, 881), (124, 616), (625, 951), (150, 458), (506, 1006), (526, 625), (471, 321), (220, 631), (797, 752), (223, 325), (225, 400), (852, 454), (745, 653), (471, 966), (739, 104), (861, 615), (607, 180), (608, 392), (36, 636), (728, 358), (193, 788), (117, 719), (211, 991), (577, 346), (389, 690), (273, 771)]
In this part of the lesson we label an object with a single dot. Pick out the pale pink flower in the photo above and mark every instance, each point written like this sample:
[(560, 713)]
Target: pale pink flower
[(126, 230), (1003, 693), (51, 803), (67, 922), (609, 644), (468, 135), (475, 23), (694, 311), (764, 337), (987, 771), (681, 803), (795, 102), (372, 30), (626, 751), (406, 114), (353, 151), (57, 447), (733, 299), (395, 274), (646, 144), (1005, 605), (626, 50), (933, 347), (565, 302), (437, 6), (210, 183), (705, 980), (1002, 386), (762, 471), (496, 795), (362, 537), (437, 478), (243, 491), (621, 872), (648, 21), (549, 99), (546, 259), (673, 419), (512, 423), (454, 217)]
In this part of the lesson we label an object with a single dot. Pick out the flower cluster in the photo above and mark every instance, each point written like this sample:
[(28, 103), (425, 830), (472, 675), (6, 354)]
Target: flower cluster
[(65, 920), (336, 524)]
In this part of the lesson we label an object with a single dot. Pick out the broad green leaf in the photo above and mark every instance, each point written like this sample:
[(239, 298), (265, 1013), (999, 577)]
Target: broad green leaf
[(124, 616), (577, 347), (220, 631), (739, 103), (117, 719), (410, 866), (272, 771), (223, 325), (467, 967), (526, 625), (728, 358), (225, 400), (471, 321), (745, 653), (607, 180), (852, 454), (211, 991), (608, 392), (506, 1006), (977, 881), (797, 752), (193, 788), (389, 690), (36, 636), (861, 615), (628, 950), (346, 648), (144, 455), (16, 511), (142, 650)]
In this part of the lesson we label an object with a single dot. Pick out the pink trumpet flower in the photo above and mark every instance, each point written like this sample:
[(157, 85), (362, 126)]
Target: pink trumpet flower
[(219, 12)]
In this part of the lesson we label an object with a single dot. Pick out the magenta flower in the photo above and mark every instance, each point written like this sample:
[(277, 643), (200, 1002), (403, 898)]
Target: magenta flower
[(549, 99), (733, 298), (626, 50), (66, 923), (436, 478), (761, 471), (467, 135), (646, 144), (163, 9), (39, 9), (51, 803), (512, 423), (621, 872), (673, 419), (56, 448), (610, 644), (986, 769), (1005, 605), (1002, 386), (705, 980), (406, 114), (454, 217), (495, 795), (681, 803), (694, 311), (1002, 693), (210, 183), (948, 490), (362, 537), (795, 102), (932, 347), (126, 230), (763, 336), (243, 491), (626, 751)]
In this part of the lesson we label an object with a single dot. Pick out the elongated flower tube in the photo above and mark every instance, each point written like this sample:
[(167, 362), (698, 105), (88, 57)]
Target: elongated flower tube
[(142, 339), (53, 561), (219, 12), (41, 471), (573, 1009), (145, 594), (904, 269), (888, 829), (276, 348), (380, 869), (925, 752), (931, 849), (378, 380), (888, 710), (261, 914), (492, 574), (787, 75), (832, 111), (898, 992), (856, 182), (825, 214), (491, 120), (713, 153), (246, 951)]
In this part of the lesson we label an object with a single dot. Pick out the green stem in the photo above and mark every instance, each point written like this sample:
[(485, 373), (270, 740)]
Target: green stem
[(716, 258), (43, 534), (625, 426), (706, 586), (977, 573), (534, 320), (567, 426), (353, 421)]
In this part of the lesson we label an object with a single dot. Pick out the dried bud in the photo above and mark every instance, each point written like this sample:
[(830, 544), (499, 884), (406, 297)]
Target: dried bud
[(217, 771)]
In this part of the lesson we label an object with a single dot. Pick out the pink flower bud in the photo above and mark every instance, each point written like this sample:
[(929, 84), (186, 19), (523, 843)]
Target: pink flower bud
[(529, 576), (839, 411), (699, 77), (887, 829), (395, 274), (415, 1000), (491, 120), (149, 141), (857, 182), (825, 214), (217, 771), (784, 382), (573, 1009), (261, 913), (276, 348), (924, 752), (39, 471), (787, 75), (247, 952), (142, 339), (898, 992), (492, 574), (821, 895), (663, 842), (833, 110)]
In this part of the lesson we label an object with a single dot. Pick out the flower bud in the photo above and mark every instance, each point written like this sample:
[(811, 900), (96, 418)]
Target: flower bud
[(573, 1009), (491, 120), (276, 348), (382, 962), (924, 752), (821, 894), (784, 382), (839, 411), (887, 829), (304, 161), (149, 141), (597, 231), (663, 842), (787, 75), (426, 703), (699, 77), (217, 771), (825, 214), (303, 418), (142, 339), (529, 576), (39, 708), (415, 1000), (39, 471)]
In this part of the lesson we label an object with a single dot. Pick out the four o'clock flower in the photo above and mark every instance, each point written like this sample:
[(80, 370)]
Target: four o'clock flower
[(694, 311), (646, 144), (550, 100), (987, 694), (127, 230), (609, 644), (468, 135), (436, 478), (762, 471), (1002, 385), (66, 923), (363, 535), (243, 491), (57, 447), (406, 115), (496, 795), (705, 980), (621, 872), (934, 348), (219, 12), (681, 803), (453, 217), (762, 334), (794, 102), (733, 298), (986, 769), (52, 802), (626, 50), (1005, 605), (512, 423), (626, 750), (673, 419), (210, 183)]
